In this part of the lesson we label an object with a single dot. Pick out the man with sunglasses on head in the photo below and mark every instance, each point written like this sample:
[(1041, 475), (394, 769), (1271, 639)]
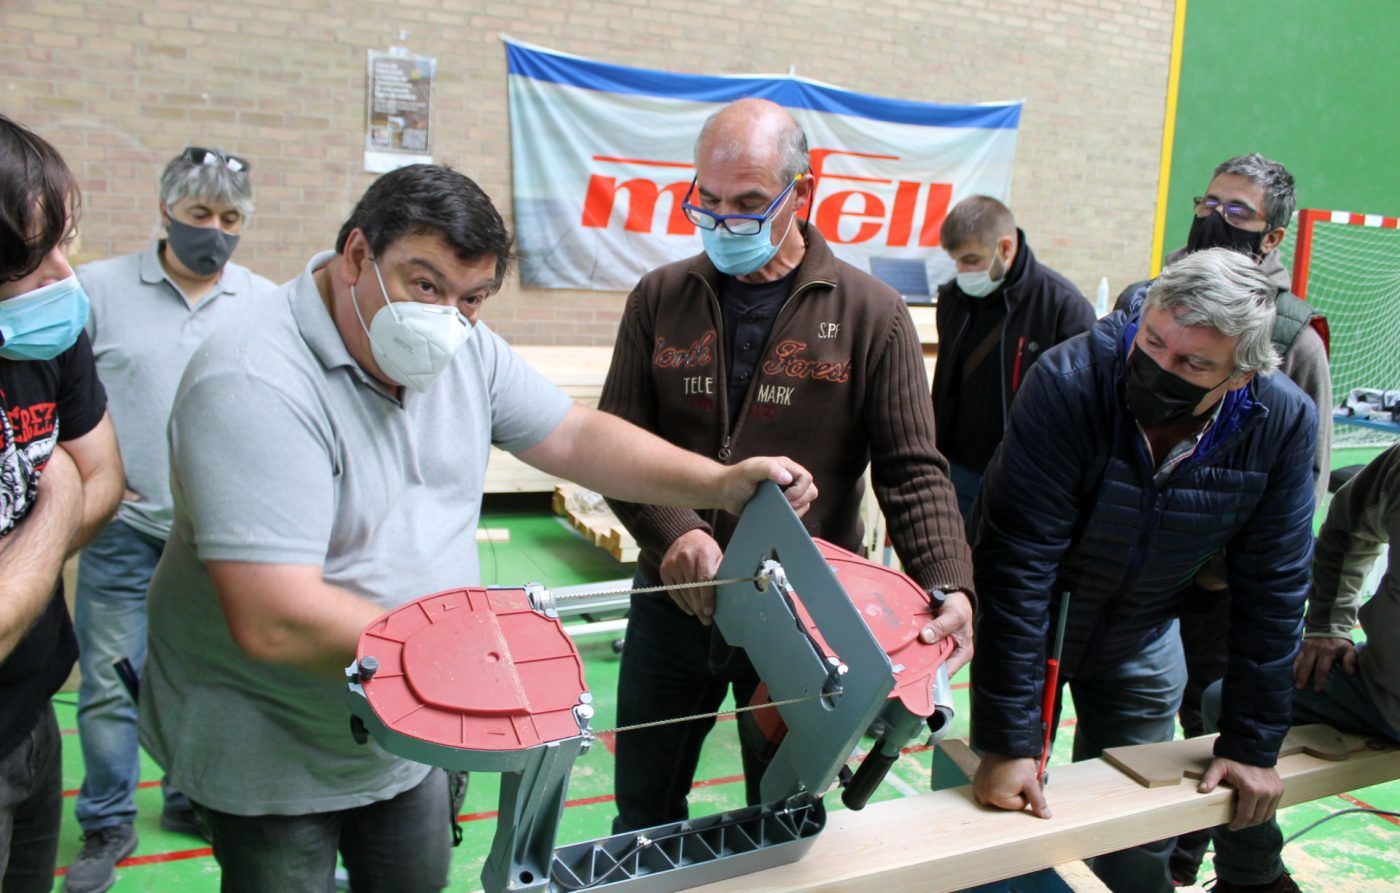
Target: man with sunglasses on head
[(60, 480), (764, 342), (1246, 207), (150, 312)]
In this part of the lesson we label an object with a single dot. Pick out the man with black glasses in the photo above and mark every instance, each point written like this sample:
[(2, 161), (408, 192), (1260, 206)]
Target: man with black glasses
[(764, 342), (150, 312)]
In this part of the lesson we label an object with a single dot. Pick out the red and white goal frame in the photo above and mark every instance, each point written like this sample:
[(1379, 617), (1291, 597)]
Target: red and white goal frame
[(1307, 218)]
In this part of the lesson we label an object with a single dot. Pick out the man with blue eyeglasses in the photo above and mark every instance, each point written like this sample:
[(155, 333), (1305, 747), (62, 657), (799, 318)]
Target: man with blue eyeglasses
[(765, 342)]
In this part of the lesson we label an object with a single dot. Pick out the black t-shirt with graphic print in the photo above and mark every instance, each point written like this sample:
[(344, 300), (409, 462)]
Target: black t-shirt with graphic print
[(41, 403)]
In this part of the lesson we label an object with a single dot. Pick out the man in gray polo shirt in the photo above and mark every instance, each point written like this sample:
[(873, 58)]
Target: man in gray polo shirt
[(150, 311), (327, 464)]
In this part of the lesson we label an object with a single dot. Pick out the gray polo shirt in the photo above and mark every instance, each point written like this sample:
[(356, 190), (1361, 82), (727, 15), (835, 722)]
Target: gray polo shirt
[(143, 334), (284, 451)]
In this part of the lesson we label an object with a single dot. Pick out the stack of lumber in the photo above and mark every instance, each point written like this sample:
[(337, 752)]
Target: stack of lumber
[(579, 372), (589, 515), (925, 323)]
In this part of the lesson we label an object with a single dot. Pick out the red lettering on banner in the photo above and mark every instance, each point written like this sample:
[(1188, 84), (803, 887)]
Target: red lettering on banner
[(935, 209), (833, 208), (699, 353), (641, 204), (788, 360), (897, 221)]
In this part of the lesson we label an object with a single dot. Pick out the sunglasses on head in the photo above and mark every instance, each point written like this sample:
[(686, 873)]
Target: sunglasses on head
[(200, 155)]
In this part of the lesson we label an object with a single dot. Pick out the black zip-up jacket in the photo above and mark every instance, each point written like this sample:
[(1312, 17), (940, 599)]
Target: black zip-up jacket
[(840, 385), (1043, 308)]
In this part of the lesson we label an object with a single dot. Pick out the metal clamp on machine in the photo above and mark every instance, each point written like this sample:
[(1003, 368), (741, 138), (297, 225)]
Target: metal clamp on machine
[(486, 680)]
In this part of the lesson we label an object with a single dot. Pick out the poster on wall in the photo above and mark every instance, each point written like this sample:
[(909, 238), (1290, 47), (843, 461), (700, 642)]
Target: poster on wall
[(398, 110), (602, 157)]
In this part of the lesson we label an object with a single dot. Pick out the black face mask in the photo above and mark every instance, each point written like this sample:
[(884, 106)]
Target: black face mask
[(1158, 398), (202, 249), (1214, 231)]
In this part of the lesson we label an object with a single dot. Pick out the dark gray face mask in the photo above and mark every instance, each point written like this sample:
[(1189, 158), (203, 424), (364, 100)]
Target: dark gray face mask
[(203, 249)]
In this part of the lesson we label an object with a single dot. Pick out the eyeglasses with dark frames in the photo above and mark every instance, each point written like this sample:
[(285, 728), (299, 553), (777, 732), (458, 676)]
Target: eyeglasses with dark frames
[(1237, 213)]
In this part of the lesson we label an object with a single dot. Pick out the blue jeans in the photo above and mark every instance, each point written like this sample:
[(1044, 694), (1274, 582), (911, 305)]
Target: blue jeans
[(399, 845), (114, 573), (966, 484), (669, 670), (1132, 703), (1255, 855), (31, 808)]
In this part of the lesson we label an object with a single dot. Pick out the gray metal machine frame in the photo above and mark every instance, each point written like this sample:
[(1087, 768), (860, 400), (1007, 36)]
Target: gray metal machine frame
[(842, 696)]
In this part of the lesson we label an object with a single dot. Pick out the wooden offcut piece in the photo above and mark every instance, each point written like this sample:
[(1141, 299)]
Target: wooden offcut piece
[(944, 840), (591, 517), (1157, 765)]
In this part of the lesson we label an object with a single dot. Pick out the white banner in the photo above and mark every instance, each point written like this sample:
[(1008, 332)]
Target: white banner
[(603, 156)]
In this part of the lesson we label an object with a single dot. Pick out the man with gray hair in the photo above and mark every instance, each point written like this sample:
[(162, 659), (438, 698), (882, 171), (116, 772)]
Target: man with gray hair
[(1246, 207), (1133, 455), (150, 312), (765, 341)]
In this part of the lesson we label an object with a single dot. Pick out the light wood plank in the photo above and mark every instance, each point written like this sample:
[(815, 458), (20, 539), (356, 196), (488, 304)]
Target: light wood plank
[(1156, 765), (943, 840)]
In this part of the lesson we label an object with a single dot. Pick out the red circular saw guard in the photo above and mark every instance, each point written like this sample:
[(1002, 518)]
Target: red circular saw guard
[(475, 669)]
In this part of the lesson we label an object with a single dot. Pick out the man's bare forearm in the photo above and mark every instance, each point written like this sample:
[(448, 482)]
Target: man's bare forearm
[(103, 476), (616, 458), (31, 559)]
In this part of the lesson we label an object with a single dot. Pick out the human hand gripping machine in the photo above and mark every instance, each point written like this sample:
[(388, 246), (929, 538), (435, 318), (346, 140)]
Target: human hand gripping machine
[(485, 679)]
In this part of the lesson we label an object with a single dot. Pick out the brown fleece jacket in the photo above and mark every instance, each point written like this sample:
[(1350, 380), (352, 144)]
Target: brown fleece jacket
[(841, 385)]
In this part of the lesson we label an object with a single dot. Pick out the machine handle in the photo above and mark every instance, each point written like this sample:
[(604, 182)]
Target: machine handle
[(868, 776)]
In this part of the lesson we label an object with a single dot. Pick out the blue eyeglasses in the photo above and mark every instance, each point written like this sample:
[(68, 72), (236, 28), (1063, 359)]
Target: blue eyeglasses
[(738, 224)]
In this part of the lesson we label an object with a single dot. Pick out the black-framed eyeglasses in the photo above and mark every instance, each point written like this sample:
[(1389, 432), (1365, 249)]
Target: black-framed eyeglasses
[(201, 155), (738, 224), (1237, 213)]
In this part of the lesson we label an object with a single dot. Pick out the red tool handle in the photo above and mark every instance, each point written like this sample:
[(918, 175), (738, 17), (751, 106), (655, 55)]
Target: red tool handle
[(1047, 711)]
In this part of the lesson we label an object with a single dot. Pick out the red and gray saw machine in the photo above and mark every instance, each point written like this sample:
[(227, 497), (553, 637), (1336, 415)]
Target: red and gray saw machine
[(485, 679)]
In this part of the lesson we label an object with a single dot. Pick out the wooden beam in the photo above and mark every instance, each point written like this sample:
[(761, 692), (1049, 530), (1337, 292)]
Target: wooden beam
[(943, 840)]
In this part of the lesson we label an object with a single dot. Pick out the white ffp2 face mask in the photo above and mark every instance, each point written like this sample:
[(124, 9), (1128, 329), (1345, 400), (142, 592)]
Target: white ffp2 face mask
[(980, 283), (413, 342)]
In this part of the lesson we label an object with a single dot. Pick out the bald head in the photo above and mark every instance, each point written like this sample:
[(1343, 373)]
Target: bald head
[(754, 132)]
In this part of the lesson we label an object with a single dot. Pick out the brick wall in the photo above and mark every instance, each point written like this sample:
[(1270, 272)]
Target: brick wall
[(121, 85)]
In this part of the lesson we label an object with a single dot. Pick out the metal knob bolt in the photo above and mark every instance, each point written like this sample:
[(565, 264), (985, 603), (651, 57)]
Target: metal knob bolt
[(369, 665)]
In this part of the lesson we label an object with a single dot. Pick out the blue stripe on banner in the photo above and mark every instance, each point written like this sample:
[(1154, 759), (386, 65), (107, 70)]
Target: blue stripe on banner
[(589, 74)]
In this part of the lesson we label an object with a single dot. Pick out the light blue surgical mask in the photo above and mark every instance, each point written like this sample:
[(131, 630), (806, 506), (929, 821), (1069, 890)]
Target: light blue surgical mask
[(742, 255), (43, 323)]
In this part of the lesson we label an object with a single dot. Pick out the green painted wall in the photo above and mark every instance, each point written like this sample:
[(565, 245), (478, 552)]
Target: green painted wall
[(1314, 84)]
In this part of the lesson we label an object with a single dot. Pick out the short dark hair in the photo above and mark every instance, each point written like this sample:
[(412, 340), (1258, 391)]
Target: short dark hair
[(38, 200), (429, 199), (979, 218)]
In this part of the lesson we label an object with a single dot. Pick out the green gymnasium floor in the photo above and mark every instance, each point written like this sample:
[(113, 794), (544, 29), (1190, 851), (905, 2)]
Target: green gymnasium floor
[(1350, 853)]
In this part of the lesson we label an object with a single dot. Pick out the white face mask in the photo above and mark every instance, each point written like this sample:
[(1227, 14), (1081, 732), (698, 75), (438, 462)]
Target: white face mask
[(979, 283), (413, 342)]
